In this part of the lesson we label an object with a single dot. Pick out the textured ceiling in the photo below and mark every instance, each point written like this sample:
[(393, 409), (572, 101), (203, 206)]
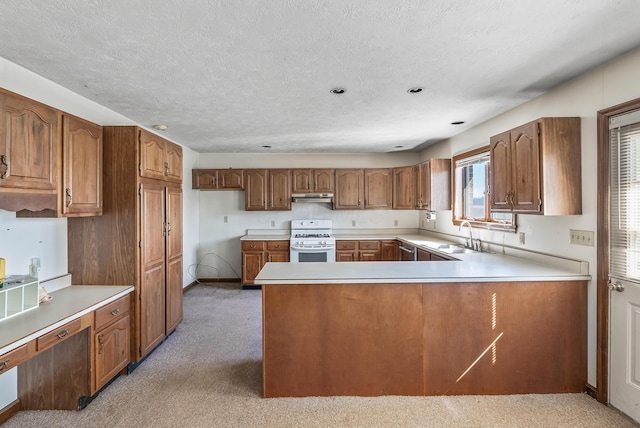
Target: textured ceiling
[(233, 76)]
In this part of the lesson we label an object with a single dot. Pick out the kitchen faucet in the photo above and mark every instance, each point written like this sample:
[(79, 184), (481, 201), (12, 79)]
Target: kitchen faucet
[(470, 240)]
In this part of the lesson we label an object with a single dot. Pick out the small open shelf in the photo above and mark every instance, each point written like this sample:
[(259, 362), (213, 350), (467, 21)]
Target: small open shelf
[(19, 297)]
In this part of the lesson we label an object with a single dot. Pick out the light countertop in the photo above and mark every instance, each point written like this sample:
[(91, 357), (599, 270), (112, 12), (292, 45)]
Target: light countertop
[(67, 304), (473, 267), (484, 269)]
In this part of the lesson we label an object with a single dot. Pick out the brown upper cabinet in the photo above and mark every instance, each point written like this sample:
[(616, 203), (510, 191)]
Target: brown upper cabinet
[(312, 181), (82, 167), (218, 179), (29, 150), (50, 161), (536, 168), (267, 189), (358, 189), (403, 188), (433, 185), (159, 158)]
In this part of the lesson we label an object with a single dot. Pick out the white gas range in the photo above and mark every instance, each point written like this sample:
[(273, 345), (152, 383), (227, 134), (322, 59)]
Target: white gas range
[(312, 241)]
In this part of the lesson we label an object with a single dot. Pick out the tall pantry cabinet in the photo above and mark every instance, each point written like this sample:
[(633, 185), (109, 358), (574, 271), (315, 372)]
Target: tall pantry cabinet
[(138, 239)]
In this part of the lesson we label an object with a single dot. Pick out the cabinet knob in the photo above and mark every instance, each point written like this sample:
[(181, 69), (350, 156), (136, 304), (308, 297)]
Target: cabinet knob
[(115, 312), (62, 334), (4, 365), (252, 246)]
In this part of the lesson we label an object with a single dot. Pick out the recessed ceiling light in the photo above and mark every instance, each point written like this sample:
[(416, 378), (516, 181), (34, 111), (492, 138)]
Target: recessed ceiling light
[(459, 122), (266, 147), (415, 90), (399, 147), (160, 127), (338, 91)]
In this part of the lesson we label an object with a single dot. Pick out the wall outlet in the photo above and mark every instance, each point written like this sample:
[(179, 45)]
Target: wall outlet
[(521, 237), (226, 219), (581, 237), (353, 223), (273, 223), (395, 223)]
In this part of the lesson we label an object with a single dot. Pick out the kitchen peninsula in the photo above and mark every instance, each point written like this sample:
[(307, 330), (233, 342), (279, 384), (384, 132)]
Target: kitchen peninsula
[(485, 324)]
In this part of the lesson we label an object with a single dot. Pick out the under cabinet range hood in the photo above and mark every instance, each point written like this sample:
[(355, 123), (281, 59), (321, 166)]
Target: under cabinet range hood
[(326, 198)]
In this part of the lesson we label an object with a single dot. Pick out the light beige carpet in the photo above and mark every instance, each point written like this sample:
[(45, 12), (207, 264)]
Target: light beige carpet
[(208, 374)]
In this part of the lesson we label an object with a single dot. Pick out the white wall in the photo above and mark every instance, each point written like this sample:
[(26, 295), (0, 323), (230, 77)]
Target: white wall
[(220, 254), (608, 85)]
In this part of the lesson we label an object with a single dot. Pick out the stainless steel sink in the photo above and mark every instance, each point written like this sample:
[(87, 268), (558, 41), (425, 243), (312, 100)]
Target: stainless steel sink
[(455, 249)]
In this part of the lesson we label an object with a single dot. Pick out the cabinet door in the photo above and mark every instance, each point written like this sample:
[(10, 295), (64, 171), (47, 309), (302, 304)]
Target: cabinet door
[(173, 162), (173, 259), (438, 195), (403, 188), (500, 153), (112, 351), (349, 189), (204, 179), (369, 251), (279, 189), (82, 167), (230, 179), (302, 181), (421, 175), (29, 144), (346, 255), (525, 168), (323, 180), (152, 281), (255, 197), (277, 256), (152, 155), (424, 256), (378, 188), (389, 251), (252, 262)]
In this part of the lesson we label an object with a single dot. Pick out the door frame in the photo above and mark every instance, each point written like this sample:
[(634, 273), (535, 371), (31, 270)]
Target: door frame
[(602, 294)]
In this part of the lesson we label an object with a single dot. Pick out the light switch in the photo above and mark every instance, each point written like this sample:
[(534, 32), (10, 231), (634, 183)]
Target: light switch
[(581, 237)]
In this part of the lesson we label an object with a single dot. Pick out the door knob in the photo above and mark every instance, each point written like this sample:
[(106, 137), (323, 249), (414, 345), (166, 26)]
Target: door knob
[(615, 287)]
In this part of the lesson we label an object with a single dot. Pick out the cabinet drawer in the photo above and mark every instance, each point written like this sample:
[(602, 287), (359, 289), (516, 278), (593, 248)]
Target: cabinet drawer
[(253, 245), (13, 358), (346, 245), (111, 312), (58, 335), (277, 245), (369, 245)]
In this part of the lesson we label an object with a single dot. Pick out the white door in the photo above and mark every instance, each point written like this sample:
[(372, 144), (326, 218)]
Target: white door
[(624, 390), (624, 267)]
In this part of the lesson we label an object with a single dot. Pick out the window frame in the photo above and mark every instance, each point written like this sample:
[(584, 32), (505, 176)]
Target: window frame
[(458, 197)]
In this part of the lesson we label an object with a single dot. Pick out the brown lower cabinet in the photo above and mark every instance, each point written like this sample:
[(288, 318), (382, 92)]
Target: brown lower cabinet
[(428, 256), (63, 368), (463, 338), (256, 253), (369, 250), (111, 340)]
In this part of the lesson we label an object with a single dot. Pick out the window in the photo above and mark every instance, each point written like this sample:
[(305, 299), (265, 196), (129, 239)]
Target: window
[(472, 178), (624, 196)]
